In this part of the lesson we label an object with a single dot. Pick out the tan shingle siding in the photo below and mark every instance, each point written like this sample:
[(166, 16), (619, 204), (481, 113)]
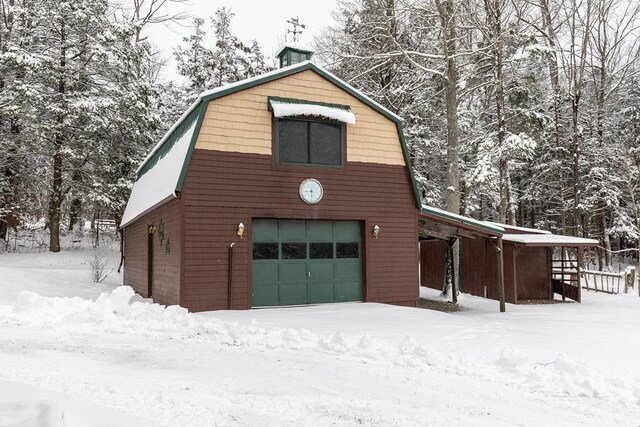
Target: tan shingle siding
[(241, 122)]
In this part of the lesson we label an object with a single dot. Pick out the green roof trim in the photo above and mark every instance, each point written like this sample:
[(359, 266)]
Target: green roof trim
[(168, 144), (294, 49), (499, 231), (407, 160), (305, 102), (201, 110)]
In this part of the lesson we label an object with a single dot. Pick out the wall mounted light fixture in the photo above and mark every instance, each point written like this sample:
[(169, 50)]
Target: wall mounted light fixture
[(241, 230), (152, 229), (376, 230)]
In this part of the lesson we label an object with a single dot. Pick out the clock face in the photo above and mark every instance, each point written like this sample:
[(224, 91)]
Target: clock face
[(311, 191)]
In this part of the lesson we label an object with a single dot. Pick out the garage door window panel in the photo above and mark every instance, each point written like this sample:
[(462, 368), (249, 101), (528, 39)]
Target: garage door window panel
[(348, 250), (294, 250), (262, 251), (320, 250)]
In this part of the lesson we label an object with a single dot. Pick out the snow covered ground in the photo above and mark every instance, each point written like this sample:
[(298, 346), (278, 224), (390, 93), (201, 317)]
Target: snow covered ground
[(110, 359)]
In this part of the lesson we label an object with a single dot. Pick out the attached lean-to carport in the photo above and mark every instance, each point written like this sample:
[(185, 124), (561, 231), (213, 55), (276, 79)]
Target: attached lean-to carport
[(558, 270), (438, 230)]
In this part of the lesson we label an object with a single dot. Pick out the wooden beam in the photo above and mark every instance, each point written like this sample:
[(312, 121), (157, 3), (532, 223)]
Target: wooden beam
[(500, 251), (443, 232), (437, 234)]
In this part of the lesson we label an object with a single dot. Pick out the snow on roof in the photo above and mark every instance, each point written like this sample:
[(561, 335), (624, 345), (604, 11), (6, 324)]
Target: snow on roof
[(168, 134), (296, 46), (462, 219), (548, 240), (159, 183), (515, 228), (286, 109)]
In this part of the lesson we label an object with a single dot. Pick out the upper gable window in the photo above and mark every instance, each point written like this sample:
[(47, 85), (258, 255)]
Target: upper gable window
[(310, 142), (309, 133)]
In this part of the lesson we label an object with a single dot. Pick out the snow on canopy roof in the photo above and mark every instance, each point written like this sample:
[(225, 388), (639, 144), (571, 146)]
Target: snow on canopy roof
[(462, 219), (283, 107), (548, 240), (295, 46), (515, 228), (158, 184)]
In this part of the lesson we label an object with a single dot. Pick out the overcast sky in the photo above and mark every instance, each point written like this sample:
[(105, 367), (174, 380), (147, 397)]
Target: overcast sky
[(264, 21)]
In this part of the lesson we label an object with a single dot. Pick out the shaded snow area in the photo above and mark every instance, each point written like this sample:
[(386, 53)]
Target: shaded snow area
[(107, 357)]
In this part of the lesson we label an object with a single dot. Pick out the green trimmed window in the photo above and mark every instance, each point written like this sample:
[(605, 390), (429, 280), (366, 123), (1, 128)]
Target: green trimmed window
[(309, 142)]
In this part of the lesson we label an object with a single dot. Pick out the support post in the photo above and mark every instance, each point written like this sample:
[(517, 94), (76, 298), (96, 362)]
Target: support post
[(579, 271), (230, 276), (449, 274), (500, 251), (452, 264)]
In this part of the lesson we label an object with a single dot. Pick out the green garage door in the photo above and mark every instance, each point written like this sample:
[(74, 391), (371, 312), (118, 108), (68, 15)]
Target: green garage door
[(306, 262)]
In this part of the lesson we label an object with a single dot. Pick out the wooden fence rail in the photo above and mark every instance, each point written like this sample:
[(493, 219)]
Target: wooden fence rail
[(611, 283)]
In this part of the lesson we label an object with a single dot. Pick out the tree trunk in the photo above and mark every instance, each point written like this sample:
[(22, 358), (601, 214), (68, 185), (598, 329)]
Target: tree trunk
[(494, 13), (447, 19), (575, 102), (55, 201), (577, 64), (555, 86), (448, 22), (74, 212)]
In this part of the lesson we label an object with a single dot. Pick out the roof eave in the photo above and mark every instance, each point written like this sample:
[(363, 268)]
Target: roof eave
[(457, 222)]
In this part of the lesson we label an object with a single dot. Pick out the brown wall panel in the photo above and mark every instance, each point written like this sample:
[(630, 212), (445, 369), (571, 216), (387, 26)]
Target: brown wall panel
[(533, 273), (222, 189), (166, 266), (480, 269), (432, 263)]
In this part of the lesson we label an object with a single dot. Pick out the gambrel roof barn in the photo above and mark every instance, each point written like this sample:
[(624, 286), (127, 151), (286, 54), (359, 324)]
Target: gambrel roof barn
[(287, 188)]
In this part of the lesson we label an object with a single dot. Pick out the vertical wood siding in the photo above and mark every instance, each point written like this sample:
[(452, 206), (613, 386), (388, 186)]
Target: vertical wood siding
[(222, 189), (533, 273), (432, 262), (166, 266), (480, 269), (531, 267), (241, 122)]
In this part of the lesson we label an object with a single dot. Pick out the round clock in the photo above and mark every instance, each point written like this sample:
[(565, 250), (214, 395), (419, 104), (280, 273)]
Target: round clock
[(311, 191)]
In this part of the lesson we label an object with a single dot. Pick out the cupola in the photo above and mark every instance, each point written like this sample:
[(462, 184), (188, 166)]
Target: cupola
[(293, 53)]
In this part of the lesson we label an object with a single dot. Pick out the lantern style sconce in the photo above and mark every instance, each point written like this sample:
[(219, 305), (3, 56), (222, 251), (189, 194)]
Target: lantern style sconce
[(376, 230), (241, 230), (152, 229)]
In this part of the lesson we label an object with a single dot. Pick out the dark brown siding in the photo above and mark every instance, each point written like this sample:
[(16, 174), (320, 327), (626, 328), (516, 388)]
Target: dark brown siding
[(432, 262), (166, 266), (222, 189), (480, 268), (533, 273)]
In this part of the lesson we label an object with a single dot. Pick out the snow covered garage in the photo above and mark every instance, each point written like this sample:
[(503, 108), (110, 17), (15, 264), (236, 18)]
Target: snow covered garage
[(287, 188)]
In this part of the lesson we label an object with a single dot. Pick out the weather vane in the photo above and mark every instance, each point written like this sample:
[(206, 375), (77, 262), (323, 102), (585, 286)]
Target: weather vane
[(295, 22)]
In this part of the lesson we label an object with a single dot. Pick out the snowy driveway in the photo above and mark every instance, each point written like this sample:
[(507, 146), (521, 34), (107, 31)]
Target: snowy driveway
[(347, 364)]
